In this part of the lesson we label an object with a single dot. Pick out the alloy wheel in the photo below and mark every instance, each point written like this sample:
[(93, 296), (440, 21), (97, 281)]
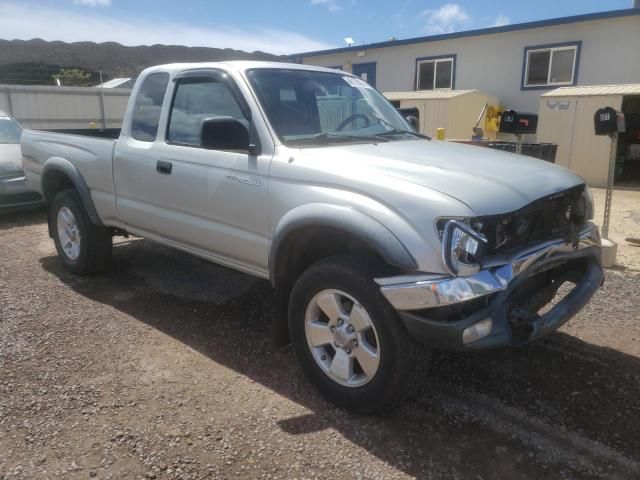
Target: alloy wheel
[(342, 338)]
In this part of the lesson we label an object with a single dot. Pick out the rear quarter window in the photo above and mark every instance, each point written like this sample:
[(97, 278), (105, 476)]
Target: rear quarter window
[(148, 106)]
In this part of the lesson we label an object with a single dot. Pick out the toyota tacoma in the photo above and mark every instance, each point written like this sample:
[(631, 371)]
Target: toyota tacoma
[(382, 244)]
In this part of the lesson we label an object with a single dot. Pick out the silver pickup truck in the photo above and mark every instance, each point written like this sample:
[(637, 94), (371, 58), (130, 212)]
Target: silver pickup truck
[(381, 244)]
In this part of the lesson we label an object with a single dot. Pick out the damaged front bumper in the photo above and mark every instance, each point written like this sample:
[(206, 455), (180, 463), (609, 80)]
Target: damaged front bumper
[(499, 305)]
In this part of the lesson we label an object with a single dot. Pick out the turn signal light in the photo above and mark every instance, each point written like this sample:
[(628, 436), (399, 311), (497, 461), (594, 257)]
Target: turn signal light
[(477, 331)]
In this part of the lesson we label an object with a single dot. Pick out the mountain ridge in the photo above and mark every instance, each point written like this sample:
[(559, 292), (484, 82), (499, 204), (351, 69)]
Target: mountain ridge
[(33, 61)]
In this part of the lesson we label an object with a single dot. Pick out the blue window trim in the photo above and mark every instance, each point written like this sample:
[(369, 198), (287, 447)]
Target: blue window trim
[(368, 64), (576, 68), (453, 56), (364, 63)]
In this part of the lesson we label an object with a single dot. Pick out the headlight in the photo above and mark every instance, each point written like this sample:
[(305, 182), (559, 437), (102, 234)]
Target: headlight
[(582, 208), (588, 197), (461, 246)]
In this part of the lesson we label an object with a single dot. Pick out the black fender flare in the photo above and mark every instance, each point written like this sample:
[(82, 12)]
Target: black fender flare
[(57, 164), (347, 219)]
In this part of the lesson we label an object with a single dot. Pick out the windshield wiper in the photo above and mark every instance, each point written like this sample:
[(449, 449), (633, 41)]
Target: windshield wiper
[(397, 131), (394, 130)]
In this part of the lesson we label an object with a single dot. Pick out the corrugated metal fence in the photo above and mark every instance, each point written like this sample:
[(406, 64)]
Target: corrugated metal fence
[(52, 108), (44, 107), (334, 109)]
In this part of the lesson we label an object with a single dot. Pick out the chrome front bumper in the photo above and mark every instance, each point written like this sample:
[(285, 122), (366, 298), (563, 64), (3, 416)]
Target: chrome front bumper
[(406, 293)]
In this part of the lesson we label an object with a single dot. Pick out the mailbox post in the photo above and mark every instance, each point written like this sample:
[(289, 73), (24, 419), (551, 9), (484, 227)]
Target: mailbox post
[(607, 121)]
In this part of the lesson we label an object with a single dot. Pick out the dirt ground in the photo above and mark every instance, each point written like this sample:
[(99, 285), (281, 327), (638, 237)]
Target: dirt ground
[(625, 224), (165, 369)]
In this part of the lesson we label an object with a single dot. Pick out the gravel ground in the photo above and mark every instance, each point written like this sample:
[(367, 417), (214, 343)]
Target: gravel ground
[(165, 369), (625, 224)]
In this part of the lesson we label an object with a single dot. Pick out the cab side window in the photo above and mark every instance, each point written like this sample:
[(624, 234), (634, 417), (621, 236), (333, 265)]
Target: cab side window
[(195, 100), (146, 111)]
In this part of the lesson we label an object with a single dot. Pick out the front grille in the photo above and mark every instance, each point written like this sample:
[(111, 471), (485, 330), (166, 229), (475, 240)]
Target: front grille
[(547, 218)]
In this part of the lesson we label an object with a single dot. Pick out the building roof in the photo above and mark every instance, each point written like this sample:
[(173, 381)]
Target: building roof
[(595, 90), (428, 94), (481, 31)]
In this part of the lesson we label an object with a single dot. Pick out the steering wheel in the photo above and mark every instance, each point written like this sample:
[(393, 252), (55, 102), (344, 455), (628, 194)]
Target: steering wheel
[(351, 118)]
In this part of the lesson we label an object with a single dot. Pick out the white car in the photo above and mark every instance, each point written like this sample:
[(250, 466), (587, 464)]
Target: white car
[(14, 191)]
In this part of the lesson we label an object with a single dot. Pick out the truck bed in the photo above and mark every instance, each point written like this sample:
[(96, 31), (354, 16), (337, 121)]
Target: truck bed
[(90, 153)]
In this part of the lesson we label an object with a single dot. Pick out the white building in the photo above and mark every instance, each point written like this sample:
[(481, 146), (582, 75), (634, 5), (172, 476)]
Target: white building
[(516, 63)]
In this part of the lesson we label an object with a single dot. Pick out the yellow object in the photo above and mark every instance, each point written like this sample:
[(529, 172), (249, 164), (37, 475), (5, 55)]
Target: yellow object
[(492, 119), (92, 125), (440, 134), (454, 110)]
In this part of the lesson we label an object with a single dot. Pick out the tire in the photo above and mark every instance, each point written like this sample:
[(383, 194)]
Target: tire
[(382, 381), (87, 247)]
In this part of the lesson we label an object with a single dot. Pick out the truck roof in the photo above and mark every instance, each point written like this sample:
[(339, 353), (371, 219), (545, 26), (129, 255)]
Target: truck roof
[(240, 65)]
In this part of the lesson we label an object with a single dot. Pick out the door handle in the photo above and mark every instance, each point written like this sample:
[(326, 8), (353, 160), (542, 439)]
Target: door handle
[(164, 167)]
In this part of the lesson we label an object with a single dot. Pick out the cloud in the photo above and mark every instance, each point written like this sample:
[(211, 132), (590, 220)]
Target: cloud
[(68, 26), (399, 16), (501, 21), (93, 3), (332, 5), (445, 19)]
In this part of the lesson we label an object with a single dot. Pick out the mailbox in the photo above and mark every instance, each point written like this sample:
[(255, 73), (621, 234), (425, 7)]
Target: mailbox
[(607, 121), (518, 123), (411, 115)]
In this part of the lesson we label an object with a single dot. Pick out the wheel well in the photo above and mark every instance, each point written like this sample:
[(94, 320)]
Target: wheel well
[(54, 182), (305, 246), (301, 249)]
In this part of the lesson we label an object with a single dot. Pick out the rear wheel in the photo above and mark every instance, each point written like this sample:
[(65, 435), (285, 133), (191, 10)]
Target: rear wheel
[(83, 247), (350, 340)]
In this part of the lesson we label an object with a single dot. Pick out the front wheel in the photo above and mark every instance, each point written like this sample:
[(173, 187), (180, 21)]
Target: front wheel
[(83, 247), (350, 340)]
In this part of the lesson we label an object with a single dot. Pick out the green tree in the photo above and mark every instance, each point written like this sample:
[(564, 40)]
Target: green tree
[(72, 77)]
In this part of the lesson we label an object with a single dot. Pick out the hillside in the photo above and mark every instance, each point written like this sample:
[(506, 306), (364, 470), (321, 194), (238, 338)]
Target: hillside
[(34, 61)]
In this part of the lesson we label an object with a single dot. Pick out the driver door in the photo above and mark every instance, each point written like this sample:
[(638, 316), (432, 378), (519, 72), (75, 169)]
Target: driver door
[(213, 202)]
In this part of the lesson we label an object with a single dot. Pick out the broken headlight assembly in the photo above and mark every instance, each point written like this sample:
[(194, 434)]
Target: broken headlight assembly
[(586, 198), (461, 247)]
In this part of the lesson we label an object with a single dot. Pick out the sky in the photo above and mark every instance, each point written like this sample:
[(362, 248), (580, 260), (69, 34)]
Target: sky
[(279, 27)]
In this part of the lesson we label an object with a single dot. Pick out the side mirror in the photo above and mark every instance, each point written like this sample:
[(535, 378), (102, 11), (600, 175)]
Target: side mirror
[(225, 133), (413, 121)]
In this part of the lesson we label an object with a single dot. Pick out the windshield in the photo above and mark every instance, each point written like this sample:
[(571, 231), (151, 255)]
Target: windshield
[(9, 130), (319, 107)]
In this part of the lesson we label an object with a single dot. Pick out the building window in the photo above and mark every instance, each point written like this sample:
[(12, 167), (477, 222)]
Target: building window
[(551, 65), (433, 73)]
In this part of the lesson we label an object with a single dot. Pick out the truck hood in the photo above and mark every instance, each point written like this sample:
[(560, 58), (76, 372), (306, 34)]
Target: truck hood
[(488, 181), (10, 159)]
